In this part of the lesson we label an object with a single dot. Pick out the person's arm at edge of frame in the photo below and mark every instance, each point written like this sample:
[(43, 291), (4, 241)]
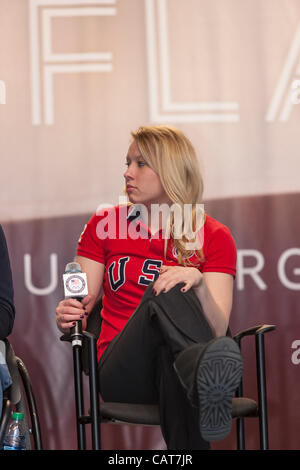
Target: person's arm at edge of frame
[(7, 308)]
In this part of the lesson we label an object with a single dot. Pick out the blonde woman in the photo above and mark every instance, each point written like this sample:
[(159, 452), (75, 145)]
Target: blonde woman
[(167, 272)]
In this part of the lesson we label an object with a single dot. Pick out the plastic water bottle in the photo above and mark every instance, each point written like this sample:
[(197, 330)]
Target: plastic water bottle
[(15, 438)]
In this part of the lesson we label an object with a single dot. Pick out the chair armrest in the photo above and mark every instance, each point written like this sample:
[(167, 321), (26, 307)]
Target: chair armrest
[(255, 330)]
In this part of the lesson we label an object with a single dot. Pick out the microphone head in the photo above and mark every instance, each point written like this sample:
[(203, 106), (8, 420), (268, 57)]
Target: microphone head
[(73, 268), (75, 282)]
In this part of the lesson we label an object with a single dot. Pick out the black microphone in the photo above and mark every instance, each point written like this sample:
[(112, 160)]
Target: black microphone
[(75, 287)]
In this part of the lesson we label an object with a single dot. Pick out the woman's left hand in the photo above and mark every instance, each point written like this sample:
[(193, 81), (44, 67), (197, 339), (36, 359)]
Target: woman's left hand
[(171, 275)]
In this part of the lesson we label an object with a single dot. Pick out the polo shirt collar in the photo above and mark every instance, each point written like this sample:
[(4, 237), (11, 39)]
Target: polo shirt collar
[(134, 212)]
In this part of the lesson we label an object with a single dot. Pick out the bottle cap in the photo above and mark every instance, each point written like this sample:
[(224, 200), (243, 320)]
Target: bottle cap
[(18, 416)]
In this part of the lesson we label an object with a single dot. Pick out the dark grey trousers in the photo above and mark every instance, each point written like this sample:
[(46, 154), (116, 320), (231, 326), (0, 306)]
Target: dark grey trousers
[(137, 366)]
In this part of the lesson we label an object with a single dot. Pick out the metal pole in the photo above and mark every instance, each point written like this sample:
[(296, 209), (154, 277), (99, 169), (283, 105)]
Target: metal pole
[(94, 392), (76, 337), (240, 423), (262, 398)]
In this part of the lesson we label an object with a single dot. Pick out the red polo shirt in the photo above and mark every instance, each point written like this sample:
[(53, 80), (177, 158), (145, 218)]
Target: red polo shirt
[(118, 238)]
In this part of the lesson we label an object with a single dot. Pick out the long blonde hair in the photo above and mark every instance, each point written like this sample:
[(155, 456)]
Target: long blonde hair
[(172, 156)]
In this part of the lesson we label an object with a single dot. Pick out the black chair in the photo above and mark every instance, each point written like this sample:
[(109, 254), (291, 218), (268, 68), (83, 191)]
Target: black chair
[(20, 397), (85, 360)]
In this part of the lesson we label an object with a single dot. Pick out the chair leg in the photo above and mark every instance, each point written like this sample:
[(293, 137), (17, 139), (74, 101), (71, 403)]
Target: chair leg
[(240, 434), (81, 437), (240, 422), (94, 392), (262, 398)]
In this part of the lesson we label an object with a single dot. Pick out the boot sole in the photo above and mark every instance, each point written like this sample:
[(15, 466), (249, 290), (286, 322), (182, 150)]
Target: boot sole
[(218, 376)]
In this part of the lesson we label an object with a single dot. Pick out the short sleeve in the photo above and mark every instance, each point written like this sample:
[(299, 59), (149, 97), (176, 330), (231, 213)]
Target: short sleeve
[(220, 253), (89, 244)]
